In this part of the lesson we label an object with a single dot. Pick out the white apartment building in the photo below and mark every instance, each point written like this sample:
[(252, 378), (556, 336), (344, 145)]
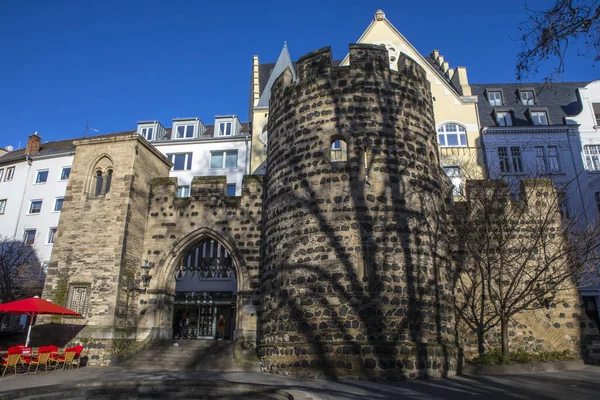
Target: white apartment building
[(33, 182), (196, 149)]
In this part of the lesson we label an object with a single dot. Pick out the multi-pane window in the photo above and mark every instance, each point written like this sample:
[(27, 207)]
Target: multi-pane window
[(452, 135), (42, 176), (517, 162), (185, 131), (10, 173), (2, 206), (540, 159), (29, 236), (183, 191), (592, 157), (539, 118), (553, 163), (231, 189), (527, 97), (224, 129), (102, 182), (504, 118), (58, 203), (35, 206), (51, 235), (512, 162), (503, 159), (455, 175), (147, 133), (78, 298), (181, 162), (223, 159), (495, 98), (65, 173), (1, 174)]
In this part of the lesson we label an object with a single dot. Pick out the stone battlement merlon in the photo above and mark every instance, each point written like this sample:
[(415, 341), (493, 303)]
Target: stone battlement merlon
[(366, 57), (215, 185)]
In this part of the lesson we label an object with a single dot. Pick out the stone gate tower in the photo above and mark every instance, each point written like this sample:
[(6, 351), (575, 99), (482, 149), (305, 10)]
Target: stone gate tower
[(355, 237)]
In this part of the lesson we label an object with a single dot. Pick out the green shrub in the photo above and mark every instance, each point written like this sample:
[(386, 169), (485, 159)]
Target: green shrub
[(496, 357)]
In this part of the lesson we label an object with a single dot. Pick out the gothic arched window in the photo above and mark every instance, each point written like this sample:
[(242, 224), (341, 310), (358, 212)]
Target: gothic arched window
[(101, 178)]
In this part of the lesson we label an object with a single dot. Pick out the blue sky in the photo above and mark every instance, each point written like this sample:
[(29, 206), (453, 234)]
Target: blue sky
[(118, 62)]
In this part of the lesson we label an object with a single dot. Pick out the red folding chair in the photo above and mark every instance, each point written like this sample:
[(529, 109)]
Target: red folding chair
[(12, 359), (78, 349), (42, 358)]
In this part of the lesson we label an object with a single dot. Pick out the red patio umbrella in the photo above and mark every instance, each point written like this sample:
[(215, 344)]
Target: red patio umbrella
[(34, 307)]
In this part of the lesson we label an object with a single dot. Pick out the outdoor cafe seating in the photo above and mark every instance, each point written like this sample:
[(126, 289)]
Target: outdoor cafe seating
[(21, 358)]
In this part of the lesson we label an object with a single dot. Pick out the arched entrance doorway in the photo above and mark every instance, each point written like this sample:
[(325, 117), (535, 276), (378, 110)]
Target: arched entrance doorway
[(205, 292)]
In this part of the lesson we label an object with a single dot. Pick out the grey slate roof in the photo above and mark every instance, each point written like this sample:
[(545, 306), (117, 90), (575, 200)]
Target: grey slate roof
[(208, 133), (56, 147), (559, 100), (265, 70)]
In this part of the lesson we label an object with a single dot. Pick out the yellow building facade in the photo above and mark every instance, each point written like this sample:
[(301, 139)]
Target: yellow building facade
[(455, 107)]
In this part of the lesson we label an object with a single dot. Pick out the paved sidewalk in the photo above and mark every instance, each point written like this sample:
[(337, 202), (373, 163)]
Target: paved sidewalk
[(571, 385)]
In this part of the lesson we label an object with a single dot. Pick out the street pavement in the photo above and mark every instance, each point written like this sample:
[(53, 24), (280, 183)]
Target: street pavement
[(570, 385)]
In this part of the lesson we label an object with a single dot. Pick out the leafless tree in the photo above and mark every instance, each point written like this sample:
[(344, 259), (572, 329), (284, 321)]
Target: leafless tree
[(20, 273), (517, 255), (548, 33)]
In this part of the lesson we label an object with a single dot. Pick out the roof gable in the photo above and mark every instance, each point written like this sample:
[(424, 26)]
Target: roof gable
[(284, 61)]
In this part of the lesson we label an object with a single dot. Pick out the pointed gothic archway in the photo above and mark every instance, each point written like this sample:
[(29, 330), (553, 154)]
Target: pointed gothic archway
[(201, 278)]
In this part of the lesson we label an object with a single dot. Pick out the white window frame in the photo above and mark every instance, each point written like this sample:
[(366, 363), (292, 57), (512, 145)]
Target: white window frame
[(1, 174), (37, 176), (183, 191), (224, 163), (10, 174), (503, 118), (591, 153), (495, 101), (62, 170), (221, 132), (460, 132), (185, 125), (41, 201), (3, 206), (516, 156), (541, 163), (56, 202), (26, 235), (187, 161), (148, 129), (536, 120), (525, 100), (553, 166), (336, 145), (51, 236)]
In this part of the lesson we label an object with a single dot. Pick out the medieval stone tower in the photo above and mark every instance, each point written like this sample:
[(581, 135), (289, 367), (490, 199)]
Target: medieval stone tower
[(355, 238)]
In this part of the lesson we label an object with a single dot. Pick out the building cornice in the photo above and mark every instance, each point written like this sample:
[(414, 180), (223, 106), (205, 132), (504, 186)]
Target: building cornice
[(530, 129)]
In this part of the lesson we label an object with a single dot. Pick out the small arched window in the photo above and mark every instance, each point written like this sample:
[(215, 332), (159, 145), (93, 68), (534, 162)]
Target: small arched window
[(338, 151), (452, 135), (101, 179)]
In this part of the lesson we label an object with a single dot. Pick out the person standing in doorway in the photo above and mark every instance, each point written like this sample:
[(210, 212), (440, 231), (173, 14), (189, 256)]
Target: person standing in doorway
[(221, 328)]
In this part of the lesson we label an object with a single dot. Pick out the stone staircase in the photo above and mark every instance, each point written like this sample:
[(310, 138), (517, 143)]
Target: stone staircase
[(194, 355)]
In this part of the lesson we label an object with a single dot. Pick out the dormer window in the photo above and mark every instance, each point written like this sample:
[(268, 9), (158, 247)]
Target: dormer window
[(148, 133), (224, 129), (184, 131), (495, 98), (504, 118), (596, 107), (527, 97), (539, 118)]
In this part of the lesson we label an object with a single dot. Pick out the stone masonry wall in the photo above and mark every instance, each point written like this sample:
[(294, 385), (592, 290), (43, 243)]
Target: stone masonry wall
[(175, 224), (354, 279), (99, 238)]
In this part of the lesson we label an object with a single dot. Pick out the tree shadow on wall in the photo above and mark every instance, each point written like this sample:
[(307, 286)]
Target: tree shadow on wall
[(372, 295)]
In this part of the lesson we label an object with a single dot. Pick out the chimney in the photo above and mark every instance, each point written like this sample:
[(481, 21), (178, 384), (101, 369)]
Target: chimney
[(460, 82), (33, 144)]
